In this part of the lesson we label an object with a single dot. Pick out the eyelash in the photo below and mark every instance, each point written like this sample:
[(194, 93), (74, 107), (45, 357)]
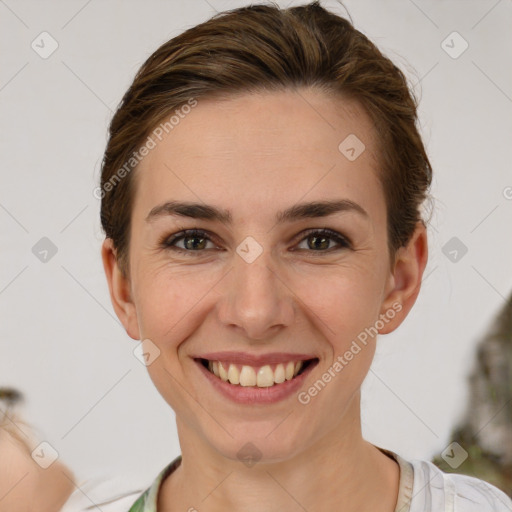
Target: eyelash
[(167, 242)]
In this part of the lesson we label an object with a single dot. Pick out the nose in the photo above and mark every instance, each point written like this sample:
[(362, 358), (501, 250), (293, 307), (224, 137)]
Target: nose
[(256, 299)]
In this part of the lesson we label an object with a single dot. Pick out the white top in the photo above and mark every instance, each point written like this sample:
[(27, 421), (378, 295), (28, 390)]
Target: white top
[(436, 491), (423, 488)]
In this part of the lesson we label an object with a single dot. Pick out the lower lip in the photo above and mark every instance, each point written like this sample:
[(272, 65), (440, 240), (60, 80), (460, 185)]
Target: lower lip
[(254, 394)]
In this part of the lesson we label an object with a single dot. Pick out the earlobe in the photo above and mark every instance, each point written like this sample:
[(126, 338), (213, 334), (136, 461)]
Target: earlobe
[(119, 288), (405, 282)]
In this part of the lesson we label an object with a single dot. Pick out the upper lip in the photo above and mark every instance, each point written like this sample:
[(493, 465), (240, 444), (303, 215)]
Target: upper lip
[(244, 358)]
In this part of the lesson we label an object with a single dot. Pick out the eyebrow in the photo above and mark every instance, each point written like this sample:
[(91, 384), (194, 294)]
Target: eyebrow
[(309, 210)]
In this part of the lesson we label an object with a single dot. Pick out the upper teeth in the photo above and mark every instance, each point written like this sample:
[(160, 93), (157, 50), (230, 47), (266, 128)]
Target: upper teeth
[(261, 377)]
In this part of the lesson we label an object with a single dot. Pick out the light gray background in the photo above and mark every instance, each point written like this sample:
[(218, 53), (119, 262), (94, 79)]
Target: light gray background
[(62, 345)]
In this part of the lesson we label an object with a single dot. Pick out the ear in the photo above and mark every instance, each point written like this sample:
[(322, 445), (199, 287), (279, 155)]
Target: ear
[(405, 281), (120, 290)]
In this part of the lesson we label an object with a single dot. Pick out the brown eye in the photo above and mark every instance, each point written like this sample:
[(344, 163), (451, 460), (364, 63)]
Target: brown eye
[(321, 241), (193, 241)]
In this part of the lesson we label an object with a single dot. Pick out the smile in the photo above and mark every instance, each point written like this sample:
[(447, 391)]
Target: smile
[(262, 376)]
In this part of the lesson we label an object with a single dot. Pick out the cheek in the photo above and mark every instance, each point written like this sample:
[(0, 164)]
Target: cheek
[(169, 298), (344, 306), (344, 301)]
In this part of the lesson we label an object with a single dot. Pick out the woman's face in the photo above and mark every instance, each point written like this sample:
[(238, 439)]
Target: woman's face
[(261, 287)]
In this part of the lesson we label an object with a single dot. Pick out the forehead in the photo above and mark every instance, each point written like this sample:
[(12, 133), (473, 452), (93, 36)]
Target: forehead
[(263, 149)]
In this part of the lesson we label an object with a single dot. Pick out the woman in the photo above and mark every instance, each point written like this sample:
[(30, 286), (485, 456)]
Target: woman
[(261, 190)]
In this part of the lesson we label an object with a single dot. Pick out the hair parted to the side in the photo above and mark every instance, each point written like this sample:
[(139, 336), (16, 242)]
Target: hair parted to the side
[(262, 47)]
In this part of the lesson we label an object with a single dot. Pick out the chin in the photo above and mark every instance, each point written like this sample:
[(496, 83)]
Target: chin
[(258, 442)]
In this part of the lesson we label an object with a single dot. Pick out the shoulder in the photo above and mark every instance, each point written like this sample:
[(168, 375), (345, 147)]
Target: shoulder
[(118, 494), (433, 489), (106, 494), (23, 482)]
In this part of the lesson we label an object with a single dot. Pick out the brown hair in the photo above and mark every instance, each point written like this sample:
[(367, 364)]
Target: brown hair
[(11, 397), (263, 47)]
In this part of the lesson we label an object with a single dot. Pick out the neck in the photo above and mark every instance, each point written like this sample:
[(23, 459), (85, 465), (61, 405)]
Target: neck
[(339, 471)]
